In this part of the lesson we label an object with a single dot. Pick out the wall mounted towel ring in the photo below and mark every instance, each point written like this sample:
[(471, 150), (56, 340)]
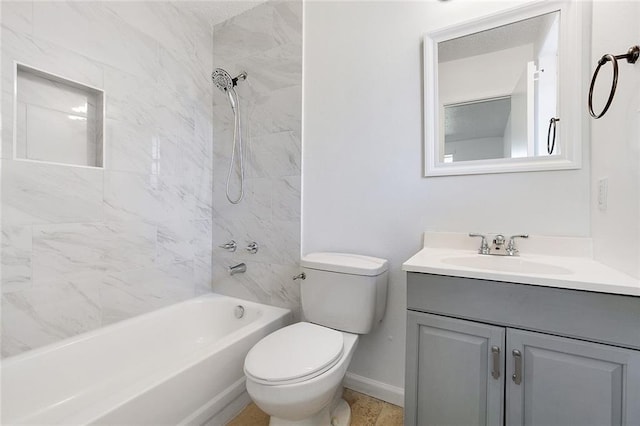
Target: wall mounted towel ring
[(551, 142), (631, 56)]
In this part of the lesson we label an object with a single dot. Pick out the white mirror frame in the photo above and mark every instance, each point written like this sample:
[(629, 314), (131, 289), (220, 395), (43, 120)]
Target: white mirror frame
[(572, 68)]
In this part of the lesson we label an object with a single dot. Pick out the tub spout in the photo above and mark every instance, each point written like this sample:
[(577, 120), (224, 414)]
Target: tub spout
[(236, 269)]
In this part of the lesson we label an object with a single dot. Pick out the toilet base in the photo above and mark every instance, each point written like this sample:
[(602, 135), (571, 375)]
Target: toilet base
[(322, 418), (341, 416)]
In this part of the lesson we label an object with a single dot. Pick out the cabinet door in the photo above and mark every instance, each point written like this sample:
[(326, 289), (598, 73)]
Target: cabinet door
[(454, 372), (559, 381)]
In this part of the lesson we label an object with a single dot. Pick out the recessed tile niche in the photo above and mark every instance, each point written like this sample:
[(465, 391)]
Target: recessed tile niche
[(58, 120)]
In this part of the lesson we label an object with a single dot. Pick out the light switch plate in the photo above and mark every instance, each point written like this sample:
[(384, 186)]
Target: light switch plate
[(603, 189)]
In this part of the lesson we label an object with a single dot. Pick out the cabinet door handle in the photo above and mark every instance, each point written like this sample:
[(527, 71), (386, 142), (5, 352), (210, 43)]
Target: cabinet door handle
[(495, 352), (517, 375)]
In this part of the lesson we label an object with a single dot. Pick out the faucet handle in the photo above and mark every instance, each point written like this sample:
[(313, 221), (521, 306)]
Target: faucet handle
[(511, 248), (513, 237), (230, 246), (484, 247)]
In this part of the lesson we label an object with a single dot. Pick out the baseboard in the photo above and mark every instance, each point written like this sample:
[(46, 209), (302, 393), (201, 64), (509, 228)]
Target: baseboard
[(391, 394)]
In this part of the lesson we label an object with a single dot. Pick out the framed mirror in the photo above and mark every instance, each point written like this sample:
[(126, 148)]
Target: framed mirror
[(505, 93)]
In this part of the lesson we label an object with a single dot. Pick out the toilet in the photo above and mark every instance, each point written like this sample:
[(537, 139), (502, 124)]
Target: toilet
[(295, 374)]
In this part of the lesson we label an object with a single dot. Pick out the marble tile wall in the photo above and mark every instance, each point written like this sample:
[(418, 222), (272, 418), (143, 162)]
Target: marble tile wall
[(266, 42), (86, 247)]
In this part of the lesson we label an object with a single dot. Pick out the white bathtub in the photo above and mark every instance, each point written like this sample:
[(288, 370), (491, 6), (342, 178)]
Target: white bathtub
[(177, 365)]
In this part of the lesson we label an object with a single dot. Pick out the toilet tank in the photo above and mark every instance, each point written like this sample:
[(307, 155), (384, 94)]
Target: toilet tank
[(343, 291)]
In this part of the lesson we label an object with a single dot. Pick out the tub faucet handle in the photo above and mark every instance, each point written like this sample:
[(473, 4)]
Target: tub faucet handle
[(230, 246), (252, 248)]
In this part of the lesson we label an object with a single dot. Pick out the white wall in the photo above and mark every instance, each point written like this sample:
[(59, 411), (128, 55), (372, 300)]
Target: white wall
[(616, 140), (363, 189)]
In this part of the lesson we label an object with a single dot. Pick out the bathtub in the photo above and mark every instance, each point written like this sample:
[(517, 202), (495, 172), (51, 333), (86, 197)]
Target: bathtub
[(178, 365)]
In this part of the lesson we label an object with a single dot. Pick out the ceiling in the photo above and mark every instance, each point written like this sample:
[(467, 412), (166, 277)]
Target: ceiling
[(216, 11), (499, 38)]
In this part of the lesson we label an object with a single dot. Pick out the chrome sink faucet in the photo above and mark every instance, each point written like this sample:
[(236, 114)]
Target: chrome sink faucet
[(484, 247), (497, 247), (498, 244)]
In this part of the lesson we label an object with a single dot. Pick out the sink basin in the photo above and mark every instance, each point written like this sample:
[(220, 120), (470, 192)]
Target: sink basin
[(506, 264)]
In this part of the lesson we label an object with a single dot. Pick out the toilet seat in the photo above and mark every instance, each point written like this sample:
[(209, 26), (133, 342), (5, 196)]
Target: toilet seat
[(294, 354)]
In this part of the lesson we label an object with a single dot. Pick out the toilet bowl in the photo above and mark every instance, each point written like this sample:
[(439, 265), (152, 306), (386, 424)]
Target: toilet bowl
[(295, 374), (297, 387)]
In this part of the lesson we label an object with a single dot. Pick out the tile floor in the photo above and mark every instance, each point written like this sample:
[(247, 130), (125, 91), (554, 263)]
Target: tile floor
[(365, 411)]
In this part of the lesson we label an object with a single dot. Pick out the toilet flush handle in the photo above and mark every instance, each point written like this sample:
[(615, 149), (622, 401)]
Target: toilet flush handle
[(300, 276)]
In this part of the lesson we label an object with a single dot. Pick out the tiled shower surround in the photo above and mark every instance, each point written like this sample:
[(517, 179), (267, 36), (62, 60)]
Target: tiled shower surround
[(86, 247), (266, 42)]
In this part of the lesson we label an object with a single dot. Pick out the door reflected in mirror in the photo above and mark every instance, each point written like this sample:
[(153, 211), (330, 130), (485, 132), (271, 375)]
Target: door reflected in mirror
[(498, 89), (478, 130)]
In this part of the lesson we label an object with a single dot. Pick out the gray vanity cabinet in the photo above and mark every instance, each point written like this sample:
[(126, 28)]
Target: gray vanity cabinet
[(459, 371), (488, 353), (570, 382)]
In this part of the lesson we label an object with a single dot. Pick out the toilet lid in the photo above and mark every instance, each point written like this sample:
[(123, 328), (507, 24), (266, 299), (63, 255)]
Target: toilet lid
[(293, 354)]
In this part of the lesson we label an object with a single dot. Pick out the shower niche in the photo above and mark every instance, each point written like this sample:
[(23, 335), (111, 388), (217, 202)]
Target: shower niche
[(57, 120)]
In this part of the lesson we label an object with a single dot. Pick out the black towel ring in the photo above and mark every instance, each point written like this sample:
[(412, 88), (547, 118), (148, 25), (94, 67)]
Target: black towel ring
[(631, 56), (551, 142)]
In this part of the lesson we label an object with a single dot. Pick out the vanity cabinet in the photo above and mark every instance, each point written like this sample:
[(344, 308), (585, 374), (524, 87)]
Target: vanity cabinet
[(489, 353), (455, 381), (564, 381)]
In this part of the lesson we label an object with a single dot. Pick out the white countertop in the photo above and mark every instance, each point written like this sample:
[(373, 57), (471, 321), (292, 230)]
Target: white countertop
[(561, 271)]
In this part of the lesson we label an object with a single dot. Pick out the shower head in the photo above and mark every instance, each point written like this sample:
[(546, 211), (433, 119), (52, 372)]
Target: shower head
[(223, 81)]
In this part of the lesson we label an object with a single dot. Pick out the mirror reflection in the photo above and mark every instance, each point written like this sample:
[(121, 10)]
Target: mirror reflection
[(498, 90)]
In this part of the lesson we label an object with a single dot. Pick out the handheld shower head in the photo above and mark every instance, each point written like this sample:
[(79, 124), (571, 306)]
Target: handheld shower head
[(222, 79), (231, 93)]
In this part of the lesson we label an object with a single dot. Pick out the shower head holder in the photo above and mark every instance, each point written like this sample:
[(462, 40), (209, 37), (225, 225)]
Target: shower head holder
[(240, 77)]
